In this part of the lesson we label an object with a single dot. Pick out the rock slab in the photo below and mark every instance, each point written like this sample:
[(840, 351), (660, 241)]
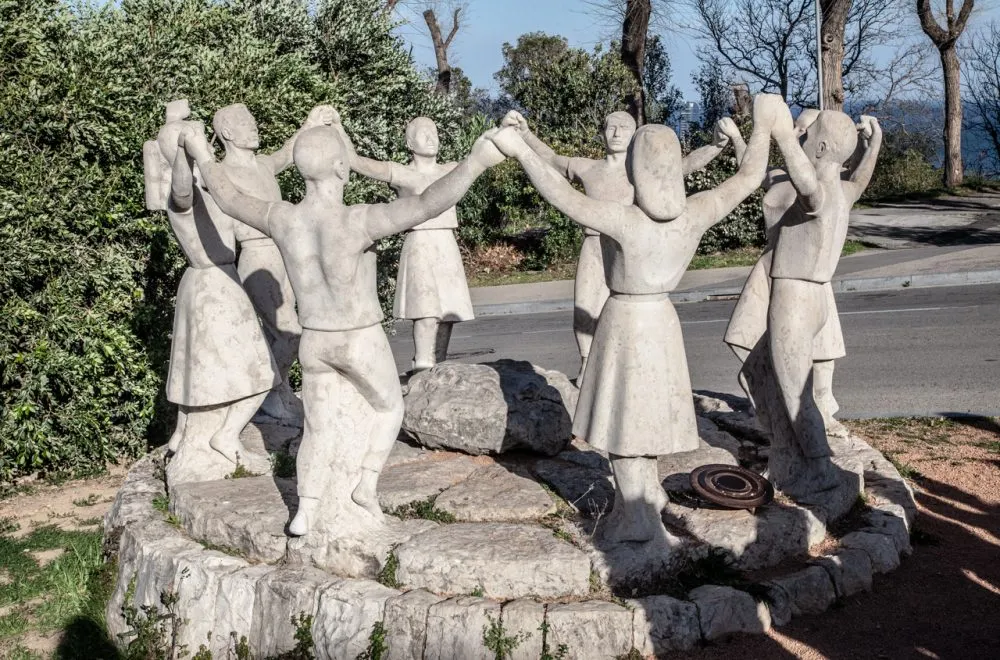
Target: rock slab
[(503, 560), (490, 408)]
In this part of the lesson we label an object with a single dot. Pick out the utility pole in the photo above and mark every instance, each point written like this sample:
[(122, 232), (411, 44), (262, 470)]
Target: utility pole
[(819, 54)]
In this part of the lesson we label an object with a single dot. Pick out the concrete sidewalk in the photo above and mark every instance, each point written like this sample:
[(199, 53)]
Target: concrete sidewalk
[(937, 242)]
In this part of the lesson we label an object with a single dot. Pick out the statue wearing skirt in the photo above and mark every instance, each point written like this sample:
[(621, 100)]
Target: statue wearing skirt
[(431, 288)]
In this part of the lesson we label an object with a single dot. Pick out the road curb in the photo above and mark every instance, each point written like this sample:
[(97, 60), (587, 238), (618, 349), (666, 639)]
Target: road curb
[(842, 285)]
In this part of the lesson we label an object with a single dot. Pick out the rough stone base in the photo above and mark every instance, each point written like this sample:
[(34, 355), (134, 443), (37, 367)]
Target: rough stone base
[(224, 554)]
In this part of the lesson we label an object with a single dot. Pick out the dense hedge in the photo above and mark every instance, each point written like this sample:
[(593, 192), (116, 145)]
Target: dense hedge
[(88, 276)]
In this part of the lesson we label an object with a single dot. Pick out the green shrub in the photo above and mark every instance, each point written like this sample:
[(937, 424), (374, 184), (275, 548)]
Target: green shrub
[(88, 276)]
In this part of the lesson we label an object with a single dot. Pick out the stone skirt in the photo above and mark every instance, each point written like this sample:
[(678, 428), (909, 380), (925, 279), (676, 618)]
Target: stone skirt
[(431, 281), (749, 320), (636, 399), (218, 353)]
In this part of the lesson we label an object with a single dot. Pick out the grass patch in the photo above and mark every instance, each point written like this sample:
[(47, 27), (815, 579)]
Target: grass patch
[(423, 510), (162, 504), (89, 500), (283, 465), (242, 472), (905, 470), (747, 256), (560, 271), (387, 576), (852, 247), (226, 550), (926, 430), (69, 594), (496, 639), (991, 445)]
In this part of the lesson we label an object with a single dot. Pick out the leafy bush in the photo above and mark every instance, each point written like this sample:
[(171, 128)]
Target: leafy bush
[(88, 276)]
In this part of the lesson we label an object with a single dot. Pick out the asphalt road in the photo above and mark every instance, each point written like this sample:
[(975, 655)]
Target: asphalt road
[(932, 351)]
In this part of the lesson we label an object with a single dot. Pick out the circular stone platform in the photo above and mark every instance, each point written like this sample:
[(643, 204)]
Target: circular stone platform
[(508, 543)]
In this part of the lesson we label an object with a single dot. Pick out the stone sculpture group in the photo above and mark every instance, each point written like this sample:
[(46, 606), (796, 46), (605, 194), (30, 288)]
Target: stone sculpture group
[(304, 285)]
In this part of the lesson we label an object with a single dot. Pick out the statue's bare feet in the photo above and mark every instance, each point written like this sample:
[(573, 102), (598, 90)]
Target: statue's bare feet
[(365, 495), (303, 520), (227, 445), (634, 521)]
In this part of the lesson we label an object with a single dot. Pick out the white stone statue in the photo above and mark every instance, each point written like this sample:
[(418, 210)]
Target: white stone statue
[(260, 267), (350, 388), (606, 180), (220, 365), (635, 402), (431, 288), (808, 214), (749, 319)]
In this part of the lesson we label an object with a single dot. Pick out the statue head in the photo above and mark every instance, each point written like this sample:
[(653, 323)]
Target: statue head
[(422, 137), (319, 155), (177, 110), (619, 127), (654, 167), (832, 138), (236, 127)]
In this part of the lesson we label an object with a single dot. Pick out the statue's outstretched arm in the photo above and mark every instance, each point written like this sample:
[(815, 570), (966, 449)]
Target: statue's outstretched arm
[(800, 169), (245, 208), (182, 181), (278, 161), (711, 206), (383, 220), (516, 120), (862, 174), (601, 216), (726, 131)]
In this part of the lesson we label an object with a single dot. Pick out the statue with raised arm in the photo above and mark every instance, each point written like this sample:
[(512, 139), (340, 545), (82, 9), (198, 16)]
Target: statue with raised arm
[(260, 267), (431, 288), (635, 402), (350, 389), (220, 365), (606, 180), (808, 208), (749, 319)]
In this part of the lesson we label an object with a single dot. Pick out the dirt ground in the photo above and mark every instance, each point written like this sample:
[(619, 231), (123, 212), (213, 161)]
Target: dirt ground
[(943, 602)]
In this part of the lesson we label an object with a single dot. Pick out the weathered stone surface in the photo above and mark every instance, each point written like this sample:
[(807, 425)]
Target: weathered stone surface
[(199, 575), (494, 493), (235, 604), (723, 611), (880, 548), (756, 540), (490, 408), (455, 629), (415, 481), (810, 591), (134, 500), (405, 451), (347, 613), (260, 437), (893, 526), (675, 469), (629, 566), (592, 629), (713, 436), (353, 555), (280, 595), (589, 490), (779, 604), (248, 514), (406, 623), (850, 570), (523, 620), (662, 624), (504, 560)]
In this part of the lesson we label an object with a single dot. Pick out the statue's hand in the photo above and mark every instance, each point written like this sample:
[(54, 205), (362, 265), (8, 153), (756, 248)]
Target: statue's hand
[(720, 138), (514, 119), (485, 152), (728, 127), (771, 112), (193, 141), (510, 142), (322, 115), (868, 126)]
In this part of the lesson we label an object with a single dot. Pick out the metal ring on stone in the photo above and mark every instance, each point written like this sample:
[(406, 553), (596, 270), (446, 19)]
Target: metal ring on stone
[(731, 486)]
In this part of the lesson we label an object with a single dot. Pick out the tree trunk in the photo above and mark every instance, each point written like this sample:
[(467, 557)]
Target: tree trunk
[(953, 166), (633, 52), (441, 44), (832, 39)]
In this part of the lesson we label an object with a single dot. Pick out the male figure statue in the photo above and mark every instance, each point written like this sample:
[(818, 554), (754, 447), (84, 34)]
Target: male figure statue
[(329, 253), (220, 366), (635, 402), (431, 288), (606, 180), (810, 235), (748, 323), (260, 267)]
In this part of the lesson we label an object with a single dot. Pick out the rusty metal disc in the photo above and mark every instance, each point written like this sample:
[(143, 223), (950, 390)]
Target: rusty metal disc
[(731, 486)]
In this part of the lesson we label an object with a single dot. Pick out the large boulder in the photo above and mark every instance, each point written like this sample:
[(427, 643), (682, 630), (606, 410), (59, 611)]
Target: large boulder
[(490, 408)]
